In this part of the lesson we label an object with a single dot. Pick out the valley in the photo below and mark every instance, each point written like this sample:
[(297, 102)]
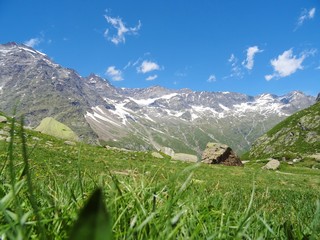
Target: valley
[(137, 119), (86, 150)]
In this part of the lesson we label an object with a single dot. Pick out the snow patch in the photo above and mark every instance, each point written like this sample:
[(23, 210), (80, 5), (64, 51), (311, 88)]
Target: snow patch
[(122, 112), (156, 130), (224, 107), (96, 116), (28, 50), (148, 118), (148, 101)]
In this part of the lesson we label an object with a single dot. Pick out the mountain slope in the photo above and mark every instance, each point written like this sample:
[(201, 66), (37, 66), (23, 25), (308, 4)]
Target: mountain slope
[(186, 120), (40, 88), (297, 135), (140, 119)]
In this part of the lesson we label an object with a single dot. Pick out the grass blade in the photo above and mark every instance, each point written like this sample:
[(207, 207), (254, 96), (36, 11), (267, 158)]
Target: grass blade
[(94, 222)]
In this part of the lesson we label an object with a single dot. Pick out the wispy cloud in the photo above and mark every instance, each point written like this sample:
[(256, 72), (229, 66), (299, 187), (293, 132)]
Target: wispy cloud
[(211, 78), (114, 73), (148, 66), (33, 42), (304, 16), (236, 70), (121, 30), (286, 64), (151, 78), (251, 52)]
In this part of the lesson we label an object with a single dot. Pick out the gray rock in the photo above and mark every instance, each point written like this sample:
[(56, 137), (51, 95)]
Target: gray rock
[(185, 157), (296, 160), (156, 155), (118, 149), (168, 151), (273, 164), (3, 119), (218, 153)]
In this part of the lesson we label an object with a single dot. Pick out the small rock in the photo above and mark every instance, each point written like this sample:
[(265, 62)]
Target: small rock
[(70, 143), (273, 164), (185, 157), (8, 139), (168, 151), (3, 119), (156, 155), (36, 138), (296, 160)]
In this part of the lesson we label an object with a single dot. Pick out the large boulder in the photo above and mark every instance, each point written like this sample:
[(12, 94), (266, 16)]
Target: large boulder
[(218, 153)]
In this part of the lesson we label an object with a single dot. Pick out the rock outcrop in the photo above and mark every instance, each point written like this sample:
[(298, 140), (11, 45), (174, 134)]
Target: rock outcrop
[(217, 153), (318, 98)]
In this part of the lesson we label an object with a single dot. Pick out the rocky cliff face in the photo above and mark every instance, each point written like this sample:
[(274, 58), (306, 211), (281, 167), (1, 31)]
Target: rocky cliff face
[(297, 135), (40, 88), (140, 119)]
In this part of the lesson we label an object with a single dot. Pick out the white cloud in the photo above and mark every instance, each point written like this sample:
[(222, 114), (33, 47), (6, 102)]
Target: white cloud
[(212, 78), (268, 77), (236, 70), (121, 30), (312, 13), (115, 74), (305, 15), (151, 78), (148, 66), (249, 62), (286, 64), (33, 42)]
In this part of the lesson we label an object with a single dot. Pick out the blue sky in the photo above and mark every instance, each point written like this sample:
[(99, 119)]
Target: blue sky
[(247, 46)]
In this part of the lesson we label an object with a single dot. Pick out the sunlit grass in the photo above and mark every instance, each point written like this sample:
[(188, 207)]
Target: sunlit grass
[(148, 198)]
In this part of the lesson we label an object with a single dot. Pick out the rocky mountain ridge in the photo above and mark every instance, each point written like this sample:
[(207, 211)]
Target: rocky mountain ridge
[(140, 119), (296, 136)]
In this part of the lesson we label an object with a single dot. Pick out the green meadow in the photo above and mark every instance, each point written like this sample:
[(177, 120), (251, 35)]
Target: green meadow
[(50, 190)]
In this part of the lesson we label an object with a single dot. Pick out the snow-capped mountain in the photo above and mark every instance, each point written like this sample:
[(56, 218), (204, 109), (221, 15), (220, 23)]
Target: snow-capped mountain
[(141, 119)]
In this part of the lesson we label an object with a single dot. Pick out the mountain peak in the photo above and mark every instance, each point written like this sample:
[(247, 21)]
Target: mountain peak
[(136, 118)]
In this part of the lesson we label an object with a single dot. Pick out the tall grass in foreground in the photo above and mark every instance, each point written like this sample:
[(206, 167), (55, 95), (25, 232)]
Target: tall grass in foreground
[(148, 205)]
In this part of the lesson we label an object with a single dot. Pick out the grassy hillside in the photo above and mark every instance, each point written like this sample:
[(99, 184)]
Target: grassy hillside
[(295, 137), (55, 128), (149, 198)]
